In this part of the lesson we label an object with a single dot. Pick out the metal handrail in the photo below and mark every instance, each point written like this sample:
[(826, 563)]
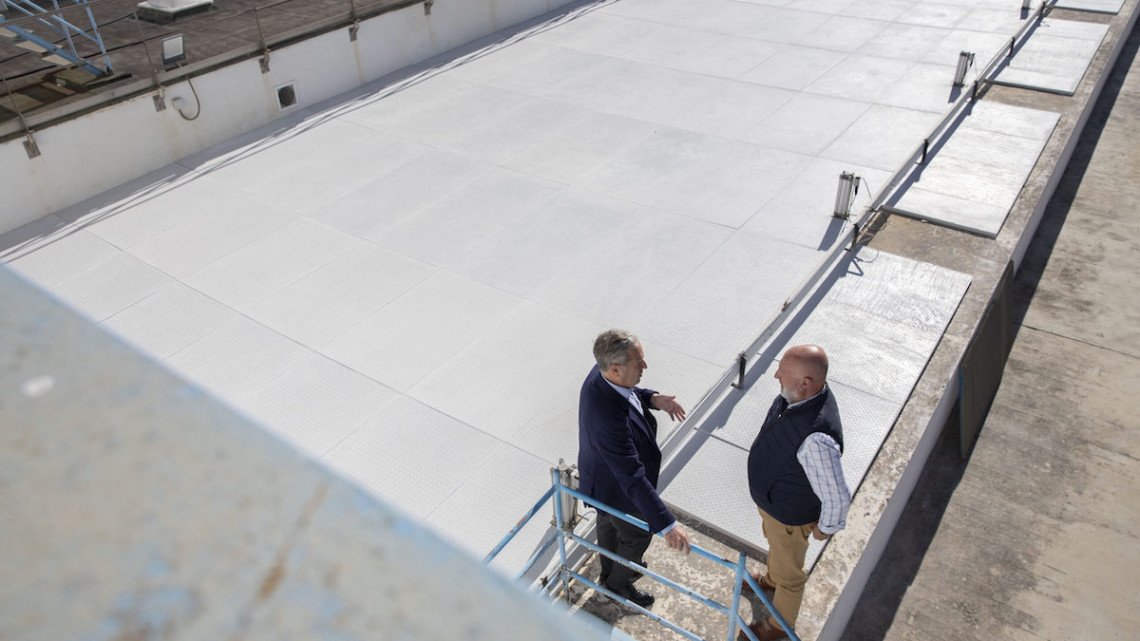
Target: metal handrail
[(561, 575)]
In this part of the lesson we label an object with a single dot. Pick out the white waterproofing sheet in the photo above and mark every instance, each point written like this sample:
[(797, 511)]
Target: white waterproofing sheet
[(406, 282), (879, 317)]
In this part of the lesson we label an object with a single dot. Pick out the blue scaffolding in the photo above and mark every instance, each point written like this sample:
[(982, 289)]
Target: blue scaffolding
[(55, 42)]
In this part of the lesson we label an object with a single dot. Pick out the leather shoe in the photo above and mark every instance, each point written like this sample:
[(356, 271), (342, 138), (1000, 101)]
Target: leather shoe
[(764, 631), (638, 575), (644, 599), (768, 588)]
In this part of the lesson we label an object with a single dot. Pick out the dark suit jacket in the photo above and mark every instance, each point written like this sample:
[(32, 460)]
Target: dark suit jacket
[(618, 457)]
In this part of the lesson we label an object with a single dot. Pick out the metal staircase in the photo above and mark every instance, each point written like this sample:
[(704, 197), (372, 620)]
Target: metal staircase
[(55, 41)]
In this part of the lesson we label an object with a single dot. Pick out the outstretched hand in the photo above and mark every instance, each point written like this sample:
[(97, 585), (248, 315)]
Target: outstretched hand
[(669, 405)]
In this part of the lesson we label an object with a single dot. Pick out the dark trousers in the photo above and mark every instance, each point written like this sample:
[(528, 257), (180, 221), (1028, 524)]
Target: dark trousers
[(625, 540)]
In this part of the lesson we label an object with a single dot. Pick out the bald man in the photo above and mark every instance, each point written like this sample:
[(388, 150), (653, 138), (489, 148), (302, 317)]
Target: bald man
[(796, 479)]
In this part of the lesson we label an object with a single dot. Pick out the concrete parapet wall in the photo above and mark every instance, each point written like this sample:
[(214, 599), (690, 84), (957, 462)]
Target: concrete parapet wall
[(136, 507), (89, 154)]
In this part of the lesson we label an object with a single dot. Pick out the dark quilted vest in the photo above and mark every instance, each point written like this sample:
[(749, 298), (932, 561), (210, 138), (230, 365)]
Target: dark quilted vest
[(777, 481)]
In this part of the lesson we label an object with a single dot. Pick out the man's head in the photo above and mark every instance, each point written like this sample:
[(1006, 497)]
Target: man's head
[(620, 357), (802, 372)]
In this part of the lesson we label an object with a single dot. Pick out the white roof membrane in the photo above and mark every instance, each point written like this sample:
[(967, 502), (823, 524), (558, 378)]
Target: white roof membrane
[(406, 281), (880, 320)]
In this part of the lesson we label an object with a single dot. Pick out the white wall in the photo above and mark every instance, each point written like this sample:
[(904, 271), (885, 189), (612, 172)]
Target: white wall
[(89, 154)]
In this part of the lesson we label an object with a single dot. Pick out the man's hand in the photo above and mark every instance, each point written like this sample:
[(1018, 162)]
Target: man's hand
[(669, 405), (817, 534), (676, 538)]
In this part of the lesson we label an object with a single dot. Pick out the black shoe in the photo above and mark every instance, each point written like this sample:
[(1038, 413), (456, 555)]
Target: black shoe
[(644, 599), (638, 575)]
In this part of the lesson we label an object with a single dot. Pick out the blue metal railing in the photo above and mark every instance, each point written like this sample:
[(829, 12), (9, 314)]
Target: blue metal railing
[(54, 20), (563, 574)]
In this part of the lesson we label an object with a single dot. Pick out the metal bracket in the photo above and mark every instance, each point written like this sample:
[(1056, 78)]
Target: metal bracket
[(264, 61), (159, 101), (427, 7), (854, 238), (568, 473), (741, 362), (925, 149), (30, 146), (355, 21)]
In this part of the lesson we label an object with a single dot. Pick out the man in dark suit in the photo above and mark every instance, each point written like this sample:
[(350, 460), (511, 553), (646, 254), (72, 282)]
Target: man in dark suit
[(619, 460)]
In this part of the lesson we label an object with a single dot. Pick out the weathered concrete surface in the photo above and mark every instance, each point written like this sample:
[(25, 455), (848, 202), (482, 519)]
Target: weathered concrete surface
[(137, 507), (1035, 535)]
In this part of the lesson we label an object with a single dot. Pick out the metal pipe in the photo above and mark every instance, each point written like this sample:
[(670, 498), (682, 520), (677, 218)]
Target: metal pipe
[(652, 615), (643, 525), (771, 608), (30, 146), (66, 28), (563, 571), (719, 607), (519, 526), (98, 36), (741, 362), (261, 38), (547, 542), (159, 99), (736, 582), (355, 21)]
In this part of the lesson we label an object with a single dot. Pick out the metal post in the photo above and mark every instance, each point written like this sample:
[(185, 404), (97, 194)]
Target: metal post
[(734, 613), (66, 28), (569, 503), (355, 21), (99, 37), (925, 149), (30, 146), (261, 34), (854, 237), (159, 99), (741, 362), (563, 570)]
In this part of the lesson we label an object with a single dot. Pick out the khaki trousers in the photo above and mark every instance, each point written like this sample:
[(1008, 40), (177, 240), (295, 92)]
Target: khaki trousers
[(787, 547)]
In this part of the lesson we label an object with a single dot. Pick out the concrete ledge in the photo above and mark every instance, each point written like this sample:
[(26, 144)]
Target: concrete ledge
[(136, 507)]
